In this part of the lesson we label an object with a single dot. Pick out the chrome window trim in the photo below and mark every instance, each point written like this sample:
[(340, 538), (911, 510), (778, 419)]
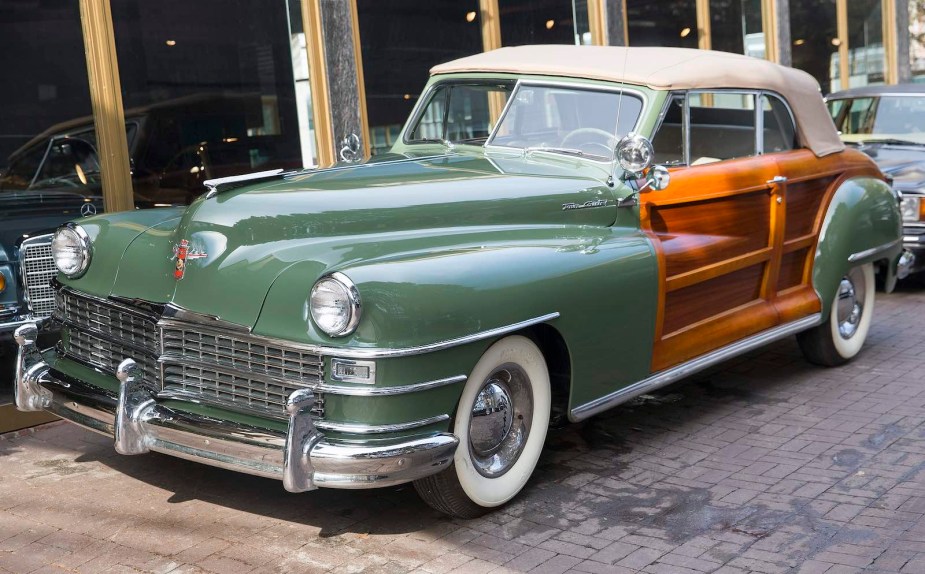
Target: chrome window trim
[(354, 428), (592, 87), (668, 376)]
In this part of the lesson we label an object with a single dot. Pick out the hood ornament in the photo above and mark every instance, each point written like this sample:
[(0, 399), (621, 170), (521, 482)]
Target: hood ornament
[(182, 252)]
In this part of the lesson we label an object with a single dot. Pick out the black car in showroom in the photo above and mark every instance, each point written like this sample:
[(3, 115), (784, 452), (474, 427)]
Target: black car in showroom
[(888, 124)]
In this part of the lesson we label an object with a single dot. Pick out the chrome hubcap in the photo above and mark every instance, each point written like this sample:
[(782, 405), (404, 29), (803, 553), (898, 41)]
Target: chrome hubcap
[(850, 304), (500, 421)]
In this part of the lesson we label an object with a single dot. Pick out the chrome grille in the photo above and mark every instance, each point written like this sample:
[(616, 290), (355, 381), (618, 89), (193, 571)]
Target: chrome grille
[(38, 269), (205, 383), (237, 371), (115, 323), (106, 355)]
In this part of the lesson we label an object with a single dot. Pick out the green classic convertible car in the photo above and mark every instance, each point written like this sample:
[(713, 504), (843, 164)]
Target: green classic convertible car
[(559, 230)]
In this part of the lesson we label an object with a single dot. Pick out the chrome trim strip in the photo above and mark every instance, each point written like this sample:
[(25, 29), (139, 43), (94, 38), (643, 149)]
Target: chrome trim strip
[(181, 361), (671, 375), (354, 428), (388, 391), (105, 337), (380, 353), (861, 255)]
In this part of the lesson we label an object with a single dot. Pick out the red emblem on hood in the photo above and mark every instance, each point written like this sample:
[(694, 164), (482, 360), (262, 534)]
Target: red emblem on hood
[(182, 252)]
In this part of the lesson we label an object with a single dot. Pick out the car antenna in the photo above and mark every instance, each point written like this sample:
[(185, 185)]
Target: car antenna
[(613, 163)]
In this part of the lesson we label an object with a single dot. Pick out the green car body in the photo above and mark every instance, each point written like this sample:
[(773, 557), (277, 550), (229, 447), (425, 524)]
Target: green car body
[(451, 248)]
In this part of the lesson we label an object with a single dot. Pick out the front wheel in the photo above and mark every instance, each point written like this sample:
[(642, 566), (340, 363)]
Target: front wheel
[(501, 422), (839, 339)]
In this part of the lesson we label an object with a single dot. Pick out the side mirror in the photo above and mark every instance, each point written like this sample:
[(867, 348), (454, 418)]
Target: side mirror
[(658, 178)]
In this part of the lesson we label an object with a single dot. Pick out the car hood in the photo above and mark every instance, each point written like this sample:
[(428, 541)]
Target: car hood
[(904, 163), (243, 240)]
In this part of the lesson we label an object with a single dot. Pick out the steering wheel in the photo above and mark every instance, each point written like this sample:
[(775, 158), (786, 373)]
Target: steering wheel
[(582, 138)]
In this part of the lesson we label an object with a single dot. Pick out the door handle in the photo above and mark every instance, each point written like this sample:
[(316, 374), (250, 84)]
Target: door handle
[(777, 179)]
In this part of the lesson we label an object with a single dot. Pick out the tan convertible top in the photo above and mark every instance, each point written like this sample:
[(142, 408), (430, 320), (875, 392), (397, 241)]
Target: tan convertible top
[(669, 69)]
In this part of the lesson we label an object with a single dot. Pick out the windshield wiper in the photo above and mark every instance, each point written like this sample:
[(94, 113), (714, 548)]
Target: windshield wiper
[(893, 141), (562, 150)]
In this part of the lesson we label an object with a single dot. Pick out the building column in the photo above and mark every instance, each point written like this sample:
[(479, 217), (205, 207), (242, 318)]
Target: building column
[(336, 78), (608, 22), (775, 21), (106, 100), (896, 41)]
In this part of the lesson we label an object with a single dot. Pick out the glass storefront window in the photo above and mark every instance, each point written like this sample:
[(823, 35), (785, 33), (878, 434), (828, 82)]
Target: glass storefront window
[(917, 39), (48, 166), (669, 23), (735, 26), (400, 43), (211, 86), (866, 56), (814, 33), (537, 22)]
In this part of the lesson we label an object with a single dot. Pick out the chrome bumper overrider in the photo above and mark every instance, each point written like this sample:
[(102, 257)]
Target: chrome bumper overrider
[(905, 264), (300, 457)]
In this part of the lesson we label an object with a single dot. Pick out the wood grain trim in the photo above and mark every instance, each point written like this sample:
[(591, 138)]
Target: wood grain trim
[(702, 274), (799, 243), (696, 197)]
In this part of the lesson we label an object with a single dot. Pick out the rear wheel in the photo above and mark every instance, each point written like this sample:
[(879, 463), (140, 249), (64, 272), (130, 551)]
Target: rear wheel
[(501, 422), (839, 339)]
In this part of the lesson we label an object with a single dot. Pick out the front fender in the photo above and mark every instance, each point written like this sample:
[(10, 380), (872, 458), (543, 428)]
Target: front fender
[(601, 281), (862, 224)]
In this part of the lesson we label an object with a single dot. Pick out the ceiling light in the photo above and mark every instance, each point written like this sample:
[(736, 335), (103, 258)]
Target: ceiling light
[(171, 42), (550, 24), (836, 41), (470, 16), (685, 32), (799, 42)]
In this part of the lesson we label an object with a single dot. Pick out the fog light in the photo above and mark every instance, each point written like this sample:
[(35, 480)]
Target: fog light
[(353, 371)]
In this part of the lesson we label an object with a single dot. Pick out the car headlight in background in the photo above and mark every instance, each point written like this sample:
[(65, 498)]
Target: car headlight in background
[(71, 250), (335, 305), (911, 207)]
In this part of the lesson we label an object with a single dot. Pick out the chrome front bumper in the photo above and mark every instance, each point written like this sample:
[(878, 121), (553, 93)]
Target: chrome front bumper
[(301, 457)]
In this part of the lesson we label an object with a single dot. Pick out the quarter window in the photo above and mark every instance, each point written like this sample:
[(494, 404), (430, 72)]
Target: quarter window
[(722, 126), (779, 132), (460, 113)]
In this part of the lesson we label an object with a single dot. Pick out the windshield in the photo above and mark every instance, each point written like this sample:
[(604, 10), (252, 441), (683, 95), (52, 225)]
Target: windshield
[(460, 113), (574, 121), (897, 118)]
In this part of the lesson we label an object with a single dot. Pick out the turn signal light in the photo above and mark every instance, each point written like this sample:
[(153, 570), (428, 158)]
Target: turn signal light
[(2, 282)]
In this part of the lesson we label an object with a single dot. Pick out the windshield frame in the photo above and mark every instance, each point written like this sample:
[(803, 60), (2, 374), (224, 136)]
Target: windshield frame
[(580, 86)]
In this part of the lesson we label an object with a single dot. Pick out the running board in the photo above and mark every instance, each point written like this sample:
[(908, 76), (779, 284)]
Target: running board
[(668, 376)]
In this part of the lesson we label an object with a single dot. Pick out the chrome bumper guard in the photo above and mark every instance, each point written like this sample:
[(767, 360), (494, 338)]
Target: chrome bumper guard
[(300, 457), (905, 264)]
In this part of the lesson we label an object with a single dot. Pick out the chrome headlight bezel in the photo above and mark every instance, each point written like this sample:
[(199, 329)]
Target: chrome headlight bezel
[(81, 239), (635, 154), (352, 305)]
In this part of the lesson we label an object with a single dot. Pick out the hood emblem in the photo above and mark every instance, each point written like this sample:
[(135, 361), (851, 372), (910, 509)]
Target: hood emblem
[(181, 253)]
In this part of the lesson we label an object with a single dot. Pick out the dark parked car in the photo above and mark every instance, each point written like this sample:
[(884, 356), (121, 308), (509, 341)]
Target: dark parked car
[(888, 124), (174, 146)]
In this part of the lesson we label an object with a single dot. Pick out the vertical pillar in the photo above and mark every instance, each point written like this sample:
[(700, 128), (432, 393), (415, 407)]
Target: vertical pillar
[(491, 24), (844, 69), (608, 22), (106, 100), (336, 78), (704, 34), (775, 21), (898, 67)]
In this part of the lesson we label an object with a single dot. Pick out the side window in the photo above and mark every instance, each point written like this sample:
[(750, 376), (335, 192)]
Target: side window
[(20, 173), (779, 131), (430, 126), (668, 141), (722, 126)]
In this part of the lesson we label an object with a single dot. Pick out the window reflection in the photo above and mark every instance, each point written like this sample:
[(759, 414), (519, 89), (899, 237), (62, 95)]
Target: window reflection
[(667, 23), (866, 57), (538, 21), (813, 30), (735, 26)]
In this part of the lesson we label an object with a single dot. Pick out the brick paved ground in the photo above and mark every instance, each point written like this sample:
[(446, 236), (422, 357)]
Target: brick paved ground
[(765, 464)]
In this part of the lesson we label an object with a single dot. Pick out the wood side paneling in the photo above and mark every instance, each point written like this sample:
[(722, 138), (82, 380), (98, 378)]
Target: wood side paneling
[(709, 298), (803, 201), (697, 234), (791, 269)]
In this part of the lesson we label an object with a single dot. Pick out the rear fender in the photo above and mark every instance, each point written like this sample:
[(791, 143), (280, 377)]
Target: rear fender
[(862, 225)]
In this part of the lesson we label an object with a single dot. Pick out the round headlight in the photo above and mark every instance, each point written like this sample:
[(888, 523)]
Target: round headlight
[(634, 153), (71, 250), (335, 305)]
